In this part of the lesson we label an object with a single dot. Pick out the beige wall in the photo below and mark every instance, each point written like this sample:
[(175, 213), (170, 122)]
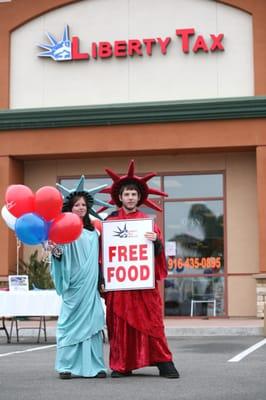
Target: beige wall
[(242, 296), (241, 205), (242, 219)]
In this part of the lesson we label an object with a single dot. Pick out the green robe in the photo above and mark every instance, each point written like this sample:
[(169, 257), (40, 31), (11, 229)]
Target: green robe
[(81, 320)]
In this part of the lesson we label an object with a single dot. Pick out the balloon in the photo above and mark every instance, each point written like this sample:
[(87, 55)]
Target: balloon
[(9, 219), (19, 200), (48, 202), (65, 228), (97, 225), (31, 229)]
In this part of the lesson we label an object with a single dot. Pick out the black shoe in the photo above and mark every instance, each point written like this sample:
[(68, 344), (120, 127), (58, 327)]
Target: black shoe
[(101, 374), (65, 375), (168, 370), (116, 374)]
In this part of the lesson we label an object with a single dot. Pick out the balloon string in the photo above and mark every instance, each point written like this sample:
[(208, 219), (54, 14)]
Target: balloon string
[(46, 252), (18, 247)]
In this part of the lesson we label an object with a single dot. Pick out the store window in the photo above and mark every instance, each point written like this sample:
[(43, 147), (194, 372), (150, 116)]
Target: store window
[(194, 243), (94, 182), (194, 240), (89, 184)]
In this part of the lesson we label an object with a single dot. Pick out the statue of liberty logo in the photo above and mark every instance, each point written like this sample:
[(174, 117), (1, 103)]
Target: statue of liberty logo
[(58, 50)]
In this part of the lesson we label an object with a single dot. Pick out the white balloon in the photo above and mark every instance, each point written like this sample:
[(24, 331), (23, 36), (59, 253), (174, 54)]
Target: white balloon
[(9, 219)]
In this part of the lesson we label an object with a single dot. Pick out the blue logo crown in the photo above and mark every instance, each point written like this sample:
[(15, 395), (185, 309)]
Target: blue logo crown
[(57, 50)]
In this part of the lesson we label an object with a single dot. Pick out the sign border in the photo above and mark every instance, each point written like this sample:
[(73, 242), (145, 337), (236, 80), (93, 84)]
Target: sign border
[(153, 258)]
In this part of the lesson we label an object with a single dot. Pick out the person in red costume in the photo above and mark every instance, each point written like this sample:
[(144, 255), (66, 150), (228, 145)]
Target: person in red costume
[(134, 317)]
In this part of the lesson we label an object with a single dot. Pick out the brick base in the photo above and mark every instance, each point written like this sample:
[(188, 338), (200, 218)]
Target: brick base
[(261, 294)]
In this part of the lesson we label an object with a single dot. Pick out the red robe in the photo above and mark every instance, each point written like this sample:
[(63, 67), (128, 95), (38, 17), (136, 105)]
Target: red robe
[(135, 320)]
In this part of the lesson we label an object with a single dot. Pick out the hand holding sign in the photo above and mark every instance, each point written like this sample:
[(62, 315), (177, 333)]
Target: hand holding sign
[(151, 236)]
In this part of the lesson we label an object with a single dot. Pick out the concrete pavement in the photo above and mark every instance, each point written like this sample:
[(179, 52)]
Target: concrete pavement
[(27, 372)]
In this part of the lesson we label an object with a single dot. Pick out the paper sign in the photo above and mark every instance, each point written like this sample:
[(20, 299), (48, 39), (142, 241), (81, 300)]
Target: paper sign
[(170, 249), (128, 257), (18, 282)]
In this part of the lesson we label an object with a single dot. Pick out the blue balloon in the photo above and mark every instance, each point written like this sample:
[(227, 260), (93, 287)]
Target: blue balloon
[(31, 229)]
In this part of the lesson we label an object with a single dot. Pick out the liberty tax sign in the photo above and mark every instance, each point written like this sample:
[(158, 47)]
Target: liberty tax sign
[(128, 257), (68, 49)]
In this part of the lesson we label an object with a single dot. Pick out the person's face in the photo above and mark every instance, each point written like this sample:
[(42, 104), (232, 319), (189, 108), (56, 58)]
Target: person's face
[(80, 207), (129, 199)]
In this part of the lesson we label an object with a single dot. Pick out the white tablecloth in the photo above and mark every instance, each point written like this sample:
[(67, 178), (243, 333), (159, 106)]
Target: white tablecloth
[(30, 303)]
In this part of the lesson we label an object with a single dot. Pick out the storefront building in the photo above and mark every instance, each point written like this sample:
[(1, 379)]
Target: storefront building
[(179, 86)]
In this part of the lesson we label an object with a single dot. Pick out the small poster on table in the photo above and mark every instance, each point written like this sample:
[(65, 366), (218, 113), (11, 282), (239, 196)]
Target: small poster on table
[(18, 282)]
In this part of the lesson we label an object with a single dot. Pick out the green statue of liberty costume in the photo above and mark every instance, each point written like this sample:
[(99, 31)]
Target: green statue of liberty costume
[(75, 273)]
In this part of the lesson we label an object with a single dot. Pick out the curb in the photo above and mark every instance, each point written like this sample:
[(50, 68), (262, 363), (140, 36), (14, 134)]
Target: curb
[(214, 331)]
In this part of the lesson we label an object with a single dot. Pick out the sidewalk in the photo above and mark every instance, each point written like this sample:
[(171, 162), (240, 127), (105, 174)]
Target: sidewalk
[(214, 327), (173, 328)]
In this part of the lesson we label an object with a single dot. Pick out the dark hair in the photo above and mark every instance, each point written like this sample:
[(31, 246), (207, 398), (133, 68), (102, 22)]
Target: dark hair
[(129, 186), (69, 203)]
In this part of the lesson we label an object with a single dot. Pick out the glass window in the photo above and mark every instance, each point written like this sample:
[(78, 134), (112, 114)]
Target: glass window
[(194, 240), (194, 186), (70, 183), (179, 293), (155, 183), (194, 237), (194, 245), (89, 184)]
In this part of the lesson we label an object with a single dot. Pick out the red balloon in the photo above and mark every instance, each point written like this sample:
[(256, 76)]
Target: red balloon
[(48, 202), (97, 225), (65, 228), (19, 200)]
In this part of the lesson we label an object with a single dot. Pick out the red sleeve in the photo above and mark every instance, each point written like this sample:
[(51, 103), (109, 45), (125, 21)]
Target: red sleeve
[(160, 260)]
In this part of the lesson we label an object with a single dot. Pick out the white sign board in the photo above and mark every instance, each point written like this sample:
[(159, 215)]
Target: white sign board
[(18, 282), (128, 257)]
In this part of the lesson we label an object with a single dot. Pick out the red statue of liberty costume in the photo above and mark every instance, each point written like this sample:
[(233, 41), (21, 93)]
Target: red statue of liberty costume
[(134, 317)]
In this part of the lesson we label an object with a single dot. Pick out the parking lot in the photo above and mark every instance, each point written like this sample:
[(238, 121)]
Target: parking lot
[(27, 372)]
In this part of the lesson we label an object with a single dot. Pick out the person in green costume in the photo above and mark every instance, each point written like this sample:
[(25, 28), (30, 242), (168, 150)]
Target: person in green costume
[(75, 272)]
